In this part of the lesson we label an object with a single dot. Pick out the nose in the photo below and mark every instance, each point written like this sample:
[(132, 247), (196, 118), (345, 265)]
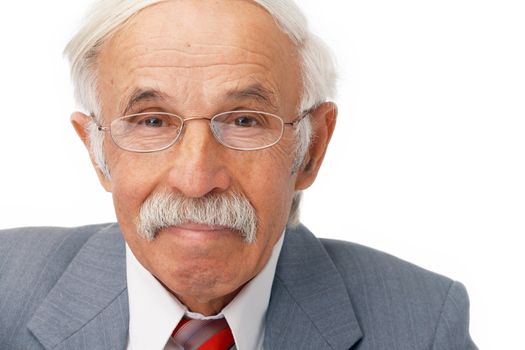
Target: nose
[(198, 162)]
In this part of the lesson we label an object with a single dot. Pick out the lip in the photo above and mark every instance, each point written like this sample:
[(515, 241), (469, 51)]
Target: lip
[(200, 233)]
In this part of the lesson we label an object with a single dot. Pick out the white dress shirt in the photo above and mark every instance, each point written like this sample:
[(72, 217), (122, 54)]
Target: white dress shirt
[(154, 312)]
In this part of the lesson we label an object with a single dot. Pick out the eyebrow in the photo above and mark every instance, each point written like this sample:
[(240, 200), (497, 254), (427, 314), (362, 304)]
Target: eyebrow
[(255, 91), (139, 95)]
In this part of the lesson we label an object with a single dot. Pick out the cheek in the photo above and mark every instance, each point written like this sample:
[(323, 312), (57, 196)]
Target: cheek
[(133, 181), (269, 185)]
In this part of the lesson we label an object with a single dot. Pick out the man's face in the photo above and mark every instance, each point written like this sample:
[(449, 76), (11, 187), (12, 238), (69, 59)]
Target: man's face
[(201, 58)]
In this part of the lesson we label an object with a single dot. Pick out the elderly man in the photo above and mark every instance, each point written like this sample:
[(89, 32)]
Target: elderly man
[(205, 120)]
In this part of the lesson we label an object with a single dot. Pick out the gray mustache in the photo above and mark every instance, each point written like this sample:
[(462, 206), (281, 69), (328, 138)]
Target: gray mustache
[(164, 209)]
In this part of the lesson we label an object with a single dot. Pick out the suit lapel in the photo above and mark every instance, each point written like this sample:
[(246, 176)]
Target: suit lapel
[(309, 306), (87, 308)]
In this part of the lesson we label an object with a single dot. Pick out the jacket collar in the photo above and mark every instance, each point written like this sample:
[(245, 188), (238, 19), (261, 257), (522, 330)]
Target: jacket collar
[(91, 290), (309, 307)]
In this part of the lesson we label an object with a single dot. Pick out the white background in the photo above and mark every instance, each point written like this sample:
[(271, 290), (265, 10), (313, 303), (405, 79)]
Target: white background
[(427, 162)]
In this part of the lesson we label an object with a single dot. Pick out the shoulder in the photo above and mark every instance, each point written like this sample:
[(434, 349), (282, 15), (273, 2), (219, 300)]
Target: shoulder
[(370, 273), (32, 245), (397, 304), (32, 260), (27, 253), (367, 273), (367, 264), (395, 296)]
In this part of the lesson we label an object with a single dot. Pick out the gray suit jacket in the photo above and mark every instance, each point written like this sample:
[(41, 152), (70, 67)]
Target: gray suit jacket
[(66, 289)]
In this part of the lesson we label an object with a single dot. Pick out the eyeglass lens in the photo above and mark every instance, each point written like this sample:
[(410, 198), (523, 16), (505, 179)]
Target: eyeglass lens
[(245, 130)]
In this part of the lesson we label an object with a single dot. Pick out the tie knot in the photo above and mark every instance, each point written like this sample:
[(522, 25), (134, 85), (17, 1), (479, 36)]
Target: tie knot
[(203, 334)]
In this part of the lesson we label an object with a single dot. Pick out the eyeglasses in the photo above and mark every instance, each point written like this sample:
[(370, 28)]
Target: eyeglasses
[(243, 130)]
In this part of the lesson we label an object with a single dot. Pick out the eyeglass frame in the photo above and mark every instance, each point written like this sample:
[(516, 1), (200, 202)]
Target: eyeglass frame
[(293, 124)]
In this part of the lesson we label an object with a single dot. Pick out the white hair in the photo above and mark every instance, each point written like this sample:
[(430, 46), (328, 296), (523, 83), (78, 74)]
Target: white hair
[(107, 16)]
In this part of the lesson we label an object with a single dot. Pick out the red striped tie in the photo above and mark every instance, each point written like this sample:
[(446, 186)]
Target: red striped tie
[(203, 334)]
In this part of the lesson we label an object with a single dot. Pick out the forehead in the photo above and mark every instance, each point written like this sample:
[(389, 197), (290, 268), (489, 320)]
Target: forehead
[(204, 49)]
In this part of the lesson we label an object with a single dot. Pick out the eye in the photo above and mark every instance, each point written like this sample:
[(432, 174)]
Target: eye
[(243, 120), (152, 122), (246, 121)]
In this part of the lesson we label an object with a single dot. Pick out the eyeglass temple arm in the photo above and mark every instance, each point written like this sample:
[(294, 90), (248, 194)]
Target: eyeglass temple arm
[(99, 126), (301, 117)]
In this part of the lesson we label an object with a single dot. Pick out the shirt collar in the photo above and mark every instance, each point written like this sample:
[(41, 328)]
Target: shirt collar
[(154, 311)]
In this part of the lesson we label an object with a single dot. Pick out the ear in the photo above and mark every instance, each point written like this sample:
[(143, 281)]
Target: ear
[(323, 120), (81, 123)]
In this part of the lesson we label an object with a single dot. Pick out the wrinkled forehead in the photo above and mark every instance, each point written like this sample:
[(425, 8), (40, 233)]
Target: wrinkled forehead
[(208, 41)]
